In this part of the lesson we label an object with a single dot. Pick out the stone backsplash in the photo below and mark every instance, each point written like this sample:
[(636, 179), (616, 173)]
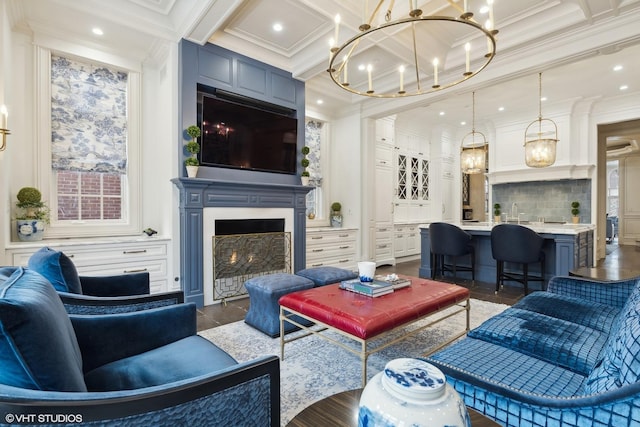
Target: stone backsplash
[(550, 200)]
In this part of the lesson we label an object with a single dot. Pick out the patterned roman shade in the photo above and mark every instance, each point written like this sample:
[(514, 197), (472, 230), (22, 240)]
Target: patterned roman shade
[(88, 117)]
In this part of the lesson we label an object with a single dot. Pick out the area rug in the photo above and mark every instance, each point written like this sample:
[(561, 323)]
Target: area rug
[(313, 368)]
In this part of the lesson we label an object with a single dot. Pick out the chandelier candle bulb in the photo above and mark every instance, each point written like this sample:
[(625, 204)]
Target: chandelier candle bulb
[(369, 69), (490, 3), (4, 115), (344, 70), (337, 21), (401, 69), (488, 26), (435, 73), (467, 49)]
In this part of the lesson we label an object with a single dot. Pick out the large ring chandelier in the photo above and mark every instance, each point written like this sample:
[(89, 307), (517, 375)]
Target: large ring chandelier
[(430, 68)]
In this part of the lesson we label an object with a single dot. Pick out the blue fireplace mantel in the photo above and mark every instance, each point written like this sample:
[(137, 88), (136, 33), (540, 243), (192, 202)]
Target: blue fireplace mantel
[(197, 194)]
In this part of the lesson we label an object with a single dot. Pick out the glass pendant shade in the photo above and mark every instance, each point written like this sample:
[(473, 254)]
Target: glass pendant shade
[(540, 152), (473, 150), (472, 159), (540, 147)]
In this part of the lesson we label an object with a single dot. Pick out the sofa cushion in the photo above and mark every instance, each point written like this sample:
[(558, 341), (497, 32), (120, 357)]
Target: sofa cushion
[(620, 364), (160, 366), (572, 346), (575, 310), (494, 365), (38, 346), (327, 275), (57, 268)]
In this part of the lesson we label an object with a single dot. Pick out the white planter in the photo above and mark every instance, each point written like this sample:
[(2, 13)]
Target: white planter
[(192, 171), (304, 180)]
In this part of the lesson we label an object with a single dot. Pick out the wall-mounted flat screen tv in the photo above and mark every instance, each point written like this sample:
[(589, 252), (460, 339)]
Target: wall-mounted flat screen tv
[(243, 133)]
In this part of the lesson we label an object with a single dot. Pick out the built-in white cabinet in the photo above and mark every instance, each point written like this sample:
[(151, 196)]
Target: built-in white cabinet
[(412, 186), (385, 130), (334, 247), (108, 257), (384, 192), (406, 240)]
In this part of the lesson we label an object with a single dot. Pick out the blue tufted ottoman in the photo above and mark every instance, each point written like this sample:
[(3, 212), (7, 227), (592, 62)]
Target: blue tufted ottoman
[(264, 293), (327, 275)]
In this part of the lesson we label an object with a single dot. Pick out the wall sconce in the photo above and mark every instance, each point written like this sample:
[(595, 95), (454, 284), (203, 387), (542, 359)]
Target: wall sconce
[(3, 126)]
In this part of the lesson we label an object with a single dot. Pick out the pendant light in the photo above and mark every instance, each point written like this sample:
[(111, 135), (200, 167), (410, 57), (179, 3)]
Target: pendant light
[(540, 147), (473, 150)]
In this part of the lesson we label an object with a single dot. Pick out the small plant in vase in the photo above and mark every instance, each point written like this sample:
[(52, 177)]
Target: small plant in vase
[(193, 148), (33, 215), (304, 176), (575, 212), (336, 214), (496, 212)]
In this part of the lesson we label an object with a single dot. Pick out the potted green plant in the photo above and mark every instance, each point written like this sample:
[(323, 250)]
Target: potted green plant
[(304, 176), (193, 148), (33, 214), (336, 214), (496, 212), (575, 212)]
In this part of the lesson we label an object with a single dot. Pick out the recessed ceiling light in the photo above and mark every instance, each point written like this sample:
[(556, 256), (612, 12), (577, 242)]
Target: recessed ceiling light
[(463, 123), (319, 101), (624, 87), (544, 98), (500, 108), (362, 67), (277, 27), (97, 31), (617, 68), (484, 9), (442, 113)]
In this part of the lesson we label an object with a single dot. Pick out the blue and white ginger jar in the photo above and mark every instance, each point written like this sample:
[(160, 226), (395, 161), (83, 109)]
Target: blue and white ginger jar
[(411, 393), (30, 229)]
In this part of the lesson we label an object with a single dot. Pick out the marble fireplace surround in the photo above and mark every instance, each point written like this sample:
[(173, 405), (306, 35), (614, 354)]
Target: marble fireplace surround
[(198, 194)]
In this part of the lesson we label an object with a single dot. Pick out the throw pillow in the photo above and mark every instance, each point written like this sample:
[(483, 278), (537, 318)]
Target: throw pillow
[(57, 268), (38, 346)]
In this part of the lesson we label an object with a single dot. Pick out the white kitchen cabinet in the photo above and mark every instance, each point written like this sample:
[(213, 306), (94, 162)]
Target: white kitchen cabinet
[(406, 240)]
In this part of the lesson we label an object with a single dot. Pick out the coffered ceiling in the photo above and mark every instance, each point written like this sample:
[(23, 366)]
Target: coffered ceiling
[(575, 43)]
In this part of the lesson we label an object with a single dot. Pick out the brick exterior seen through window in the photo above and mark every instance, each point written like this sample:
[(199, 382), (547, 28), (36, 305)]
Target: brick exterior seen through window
[(89, 196)]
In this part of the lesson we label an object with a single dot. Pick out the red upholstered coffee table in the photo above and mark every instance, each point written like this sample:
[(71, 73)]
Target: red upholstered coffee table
[(363, 318)]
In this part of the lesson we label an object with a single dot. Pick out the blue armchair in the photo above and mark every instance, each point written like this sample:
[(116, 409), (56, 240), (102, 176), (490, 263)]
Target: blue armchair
[(132, 369), (98, 294)]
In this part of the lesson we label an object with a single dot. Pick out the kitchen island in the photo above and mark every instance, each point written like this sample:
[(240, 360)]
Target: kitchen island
[(566, 247)]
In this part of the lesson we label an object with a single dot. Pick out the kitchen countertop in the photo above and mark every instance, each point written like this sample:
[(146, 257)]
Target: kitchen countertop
[(538, 227)]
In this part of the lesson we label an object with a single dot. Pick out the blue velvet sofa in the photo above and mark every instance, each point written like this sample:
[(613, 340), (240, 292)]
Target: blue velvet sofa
[(569, 356), (143, 368), (98, 294)]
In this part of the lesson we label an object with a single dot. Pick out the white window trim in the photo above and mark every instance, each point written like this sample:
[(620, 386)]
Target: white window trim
[(131, 207)]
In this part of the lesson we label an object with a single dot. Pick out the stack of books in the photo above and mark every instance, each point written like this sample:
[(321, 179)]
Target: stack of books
[(394, 280), (373, 289)]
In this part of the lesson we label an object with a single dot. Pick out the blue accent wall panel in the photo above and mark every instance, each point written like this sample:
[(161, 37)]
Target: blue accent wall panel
[(252, 78), (216, 67), (283, 88)]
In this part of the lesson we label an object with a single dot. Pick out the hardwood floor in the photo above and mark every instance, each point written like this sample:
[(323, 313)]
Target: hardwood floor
[(618, 258)]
